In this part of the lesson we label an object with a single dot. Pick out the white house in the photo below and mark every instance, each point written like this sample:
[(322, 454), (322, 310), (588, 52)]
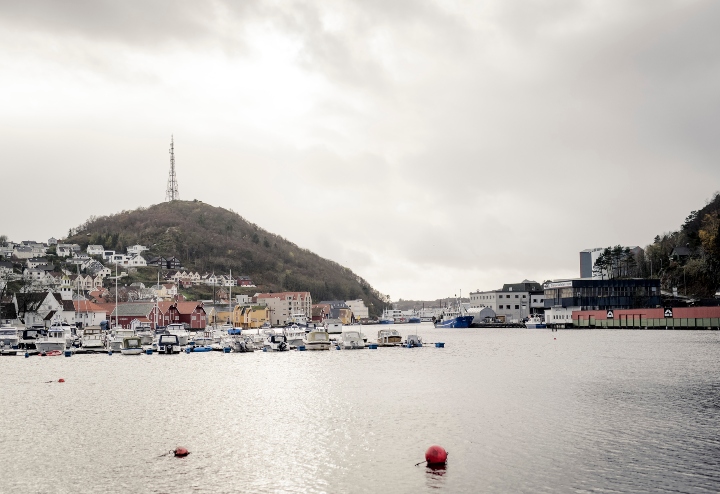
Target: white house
[(136, 260), (63, 250), (22, 252), (88, 313), (95, 250), (135, 250)]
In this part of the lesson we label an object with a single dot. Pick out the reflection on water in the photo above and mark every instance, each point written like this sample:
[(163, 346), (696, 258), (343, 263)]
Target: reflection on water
[(518, 410)]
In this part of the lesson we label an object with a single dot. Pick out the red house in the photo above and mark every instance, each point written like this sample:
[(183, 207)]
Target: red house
[(164, 313), (192, 313)]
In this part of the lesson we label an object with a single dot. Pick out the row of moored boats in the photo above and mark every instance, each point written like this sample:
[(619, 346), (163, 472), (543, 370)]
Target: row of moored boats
[(175, 338)]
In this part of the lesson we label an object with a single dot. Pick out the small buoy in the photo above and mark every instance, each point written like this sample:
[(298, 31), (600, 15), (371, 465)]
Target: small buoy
[(440, 344), (226, 349), (61, 380), (68, 353), (109, 352), (148, 351), (436, 455), (27, 355), (181, 452)]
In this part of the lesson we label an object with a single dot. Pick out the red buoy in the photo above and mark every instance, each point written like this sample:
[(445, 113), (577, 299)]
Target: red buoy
[(181, 452), (61, 380), (436, 455)]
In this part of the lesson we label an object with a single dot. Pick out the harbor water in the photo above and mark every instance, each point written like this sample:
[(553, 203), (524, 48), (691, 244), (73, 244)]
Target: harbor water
[(517, 410)]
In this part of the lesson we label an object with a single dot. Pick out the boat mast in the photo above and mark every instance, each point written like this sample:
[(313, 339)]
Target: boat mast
[(116, 296)]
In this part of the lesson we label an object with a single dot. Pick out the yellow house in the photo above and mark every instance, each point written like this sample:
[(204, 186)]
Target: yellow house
[(345, 316), (250, 317)]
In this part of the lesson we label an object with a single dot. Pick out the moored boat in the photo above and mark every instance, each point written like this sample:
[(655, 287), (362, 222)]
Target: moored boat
[(169, 344), (389, 337), (295, 336), (179, 330), (53, 341), (132, 345), (9, 339), (351, 339), (317, 339), (535, 322)]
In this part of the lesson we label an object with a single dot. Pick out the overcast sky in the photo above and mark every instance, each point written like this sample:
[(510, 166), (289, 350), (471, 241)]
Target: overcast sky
[(431, 147)]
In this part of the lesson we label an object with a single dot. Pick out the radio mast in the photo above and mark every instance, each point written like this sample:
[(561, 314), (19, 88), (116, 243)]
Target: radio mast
[(171, 194)]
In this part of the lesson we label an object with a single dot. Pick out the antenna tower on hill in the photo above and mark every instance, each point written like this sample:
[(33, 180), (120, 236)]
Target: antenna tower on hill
[(171, 194)]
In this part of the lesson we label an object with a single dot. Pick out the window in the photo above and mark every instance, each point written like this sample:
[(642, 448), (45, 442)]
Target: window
[(516, 296), (517, 307), (499, 306)]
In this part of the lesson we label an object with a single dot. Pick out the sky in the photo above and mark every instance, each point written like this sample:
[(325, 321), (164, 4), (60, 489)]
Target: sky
[(433, 147)]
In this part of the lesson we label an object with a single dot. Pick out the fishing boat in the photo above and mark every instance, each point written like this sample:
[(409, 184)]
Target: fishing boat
[(68, 331), (387, 317), (132, 345), (317, 339), (389, 337), (454, 317), (535, 322), (53, 341)]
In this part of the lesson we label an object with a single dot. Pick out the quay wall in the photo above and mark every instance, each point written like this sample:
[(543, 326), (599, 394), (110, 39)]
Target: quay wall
[(682, 318)]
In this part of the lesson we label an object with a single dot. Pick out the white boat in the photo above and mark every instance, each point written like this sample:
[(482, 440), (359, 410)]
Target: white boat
[(317, 339), (93, 339), (144, 331), (351, 339), (210, 337), (132, 345), (241, 343), (295, 335), (535, 322), (116, 342), (414, 340), (53, 341), (179, 330), (275, 342), (67, 330), (9, 339), (389, 337), (168, 344), (299, 319)]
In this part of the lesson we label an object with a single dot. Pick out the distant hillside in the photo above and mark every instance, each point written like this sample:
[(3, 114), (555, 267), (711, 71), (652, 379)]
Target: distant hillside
[(689, 258), (212, 239)]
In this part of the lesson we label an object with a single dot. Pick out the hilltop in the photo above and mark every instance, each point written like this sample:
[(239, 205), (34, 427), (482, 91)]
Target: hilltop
[(212, 239)]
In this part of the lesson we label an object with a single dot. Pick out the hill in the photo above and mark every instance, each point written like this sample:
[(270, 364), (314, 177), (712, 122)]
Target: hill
[(212, 239)]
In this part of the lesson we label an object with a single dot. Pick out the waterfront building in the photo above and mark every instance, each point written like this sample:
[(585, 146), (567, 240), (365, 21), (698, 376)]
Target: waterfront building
[(284, 304), (515, 301), (359, 309), (563, 297)]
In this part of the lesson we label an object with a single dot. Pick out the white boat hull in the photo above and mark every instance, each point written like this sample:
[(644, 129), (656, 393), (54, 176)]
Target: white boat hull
[(131, 351), (49, 346)]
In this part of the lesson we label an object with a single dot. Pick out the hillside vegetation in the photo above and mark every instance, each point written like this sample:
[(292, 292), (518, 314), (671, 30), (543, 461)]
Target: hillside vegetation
[(687, 259), (213, 239)]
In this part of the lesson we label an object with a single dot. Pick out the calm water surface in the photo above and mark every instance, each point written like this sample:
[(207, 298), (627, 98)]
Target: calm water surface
[(518, 411)]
